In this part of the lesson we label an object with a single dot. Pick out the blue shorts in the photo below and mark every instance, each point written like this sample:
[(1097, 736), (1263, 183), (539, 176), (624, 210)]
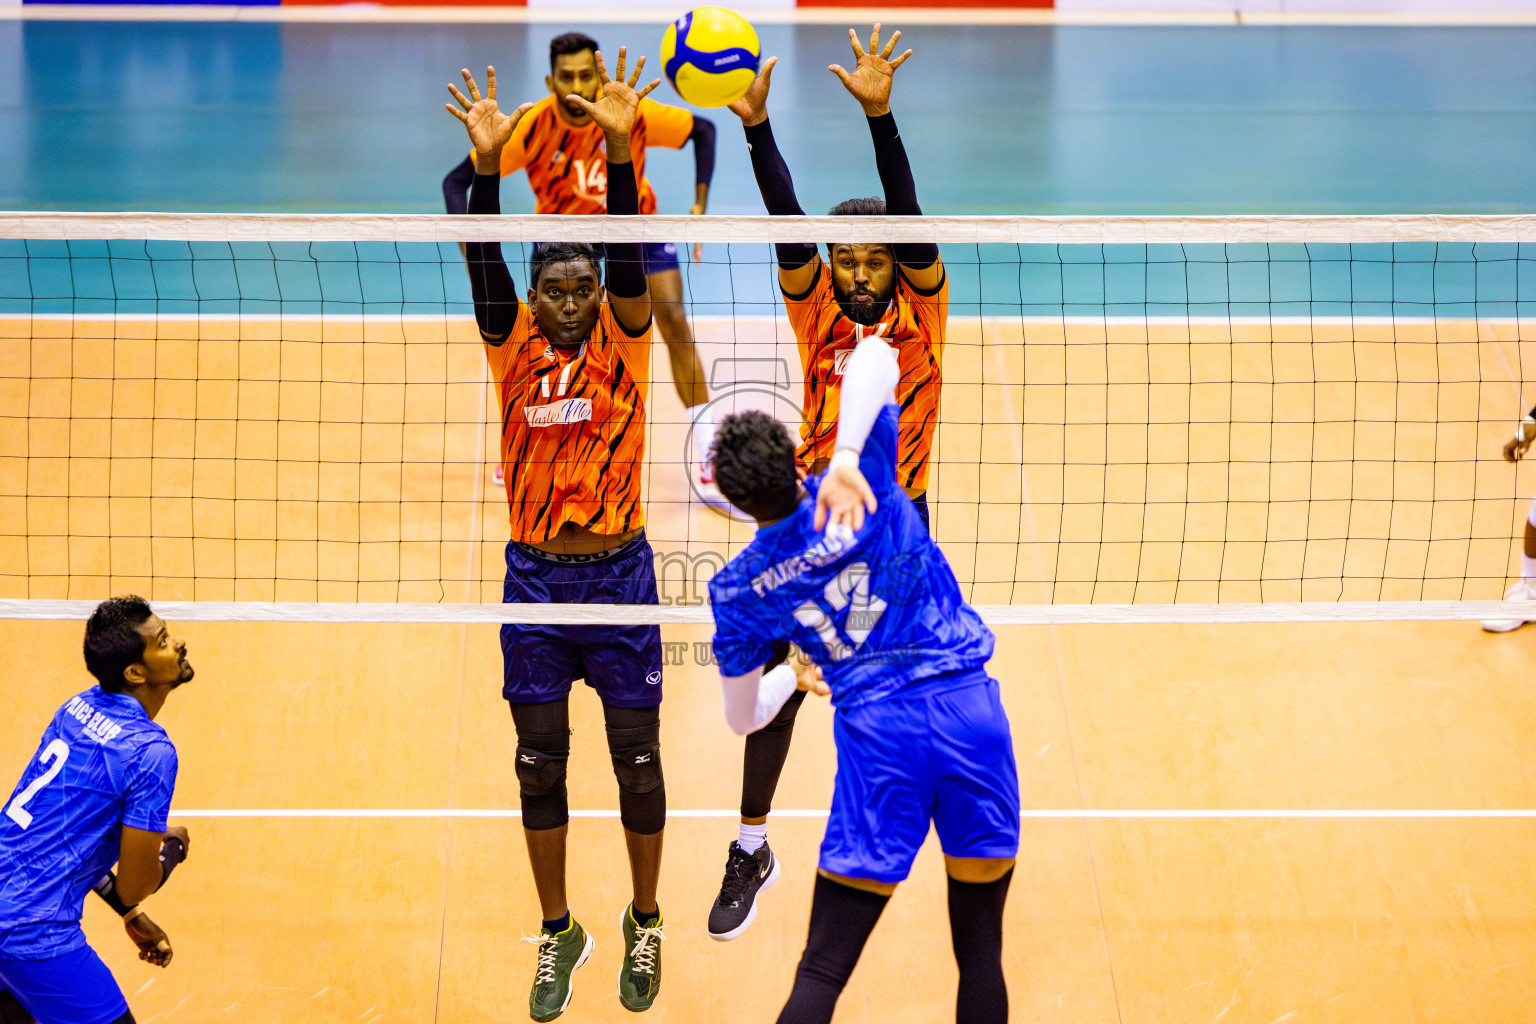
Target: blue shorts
[(622, 663), (659, 256), (75, 988), (940, 752), (921, 501)]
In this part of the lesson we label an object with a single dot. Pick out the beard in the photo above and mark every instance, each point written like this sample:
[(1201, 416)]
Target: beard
[(187, 672), (865, 312)]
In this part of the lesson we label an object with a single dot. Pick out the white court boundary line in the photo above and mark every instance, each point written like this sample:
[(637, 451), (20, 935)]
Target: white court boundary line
[(1026, 812), (610, 14), (601, 615), (1056, 230)]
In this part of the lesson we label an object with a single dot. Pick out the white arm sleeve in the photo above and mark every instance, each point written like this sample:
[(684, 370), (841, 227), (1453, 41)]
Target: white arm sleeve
[(869, 385), (752, 700)]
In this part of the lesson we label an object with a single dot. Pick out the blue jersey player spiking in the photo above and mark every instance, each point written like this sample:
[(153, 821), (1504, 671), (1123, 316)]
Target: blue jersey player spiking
[(96, 793), (919, 727)]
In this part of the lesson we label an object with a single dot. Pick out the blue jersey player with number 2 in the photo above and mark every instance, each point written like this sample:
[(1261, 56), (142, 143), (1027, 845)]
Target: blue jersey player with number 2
[(96, 793), (920, 730)]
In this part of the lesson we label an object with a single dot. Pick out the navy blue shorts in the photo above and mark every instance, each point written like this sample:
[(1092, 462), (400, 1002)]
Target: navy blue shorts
[(75, 988), (659, 256), (941, 753), (622, 663), (921, 501)]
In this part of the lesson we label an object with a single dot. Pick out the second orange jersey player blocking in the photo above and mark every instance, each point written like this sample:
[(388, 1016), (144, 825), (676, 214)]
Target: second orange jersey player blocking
[(898, 292), (562, 151)]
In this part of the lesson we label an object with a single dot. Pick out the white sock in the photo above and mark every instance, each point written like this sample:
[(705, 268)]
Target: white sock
[(752, 838), (703, 419)]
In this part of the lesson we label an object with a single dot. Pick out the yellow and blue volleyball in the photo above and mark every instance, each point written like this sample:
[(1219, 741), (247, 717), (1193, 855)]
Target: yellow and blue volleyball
[(710, 55)]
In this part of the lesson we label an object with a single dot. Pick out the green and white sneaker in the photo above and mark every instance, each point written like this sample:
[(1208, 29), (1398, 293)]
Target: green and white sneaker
[(640, 977), (559, 955)]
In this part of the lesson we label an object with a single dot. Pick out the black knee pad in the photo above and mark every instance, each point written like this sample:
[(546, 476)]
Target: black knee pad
[(636, 756), (541, 762)]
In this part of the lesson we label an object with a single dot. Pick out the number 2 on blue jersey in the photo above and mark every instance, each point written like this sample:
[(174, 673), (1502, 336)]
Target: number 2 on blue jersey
[(847, 595), (57, 752)]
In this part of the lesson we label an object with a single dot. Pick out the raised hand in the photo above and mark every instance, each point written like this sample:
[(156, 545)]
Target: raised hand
[(752, 108), (870, 82), (617, 101), (842, 500), (489, 128), (807, 673)]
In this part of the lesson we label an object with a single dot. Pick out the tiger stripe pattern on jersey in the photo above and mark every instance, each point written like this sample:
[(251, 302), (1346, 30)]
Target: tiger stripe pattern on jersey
[(572, 427), (567, 164), (914, 324)]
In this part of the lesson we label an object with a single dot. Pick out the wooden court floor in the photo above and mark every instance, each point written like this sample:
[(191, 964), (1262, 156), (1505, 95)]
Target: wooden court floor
[(340, 918), (1077, 464)]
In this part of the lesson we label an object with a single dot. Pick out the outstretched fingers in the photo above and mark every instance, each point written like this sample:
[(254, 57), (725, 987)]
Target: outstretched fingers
[(490, 82), (582, 102), (639, 64), (890, 45), (602, 68), (469, 80), (517, 115), (858, 47), (899, 61), (643, 93)]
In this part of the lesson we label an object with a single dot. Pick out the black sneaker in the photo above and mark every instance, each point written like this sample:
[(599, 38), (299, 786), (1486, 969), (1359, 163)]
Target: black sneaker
[(746, 875)]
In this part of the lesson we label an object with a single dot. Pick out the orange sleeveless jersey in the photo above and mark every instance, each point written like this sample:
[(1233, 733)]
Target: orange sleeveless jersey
[(914, 325), (567, 166), (572, 427)]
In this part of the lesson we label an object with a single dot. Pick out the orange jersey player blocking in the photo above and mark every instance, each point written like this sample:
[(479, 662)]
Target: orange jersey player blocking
[(896, 292), (561, 149), (571, 365)]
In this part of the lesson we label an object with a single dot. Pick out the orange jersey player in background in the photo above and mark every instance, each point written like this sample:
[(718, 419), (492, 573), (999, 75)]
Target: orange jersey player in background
[(561, 149), (898, 292), (571, 366)]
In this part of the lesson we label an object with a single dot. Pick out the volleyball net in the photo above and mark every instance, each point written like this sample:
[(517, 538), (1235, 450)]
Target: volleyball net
[(1141, 418)]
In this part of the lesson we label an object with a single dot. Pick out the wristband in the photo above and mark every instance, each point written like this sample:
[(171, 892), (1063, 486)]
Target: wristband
[(172, 852), (844, 457), (107, 890), (1520, 434), (133, 912)]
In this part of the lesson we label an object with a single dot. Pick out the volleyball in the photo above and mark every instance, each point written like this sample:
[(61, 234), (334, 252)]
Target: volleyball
[(710, 56)]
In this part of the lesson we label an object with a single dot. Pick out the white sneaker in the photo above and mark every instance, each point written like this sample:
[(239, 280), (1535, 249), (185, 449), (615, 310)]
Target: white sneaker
[(497, 478), (1520, 590)]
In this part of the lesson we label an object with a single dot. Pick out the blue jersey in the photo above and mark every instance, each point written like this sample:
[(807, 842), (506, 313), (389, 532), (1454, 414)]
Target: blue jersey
[(102, 764), (878, 613)]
